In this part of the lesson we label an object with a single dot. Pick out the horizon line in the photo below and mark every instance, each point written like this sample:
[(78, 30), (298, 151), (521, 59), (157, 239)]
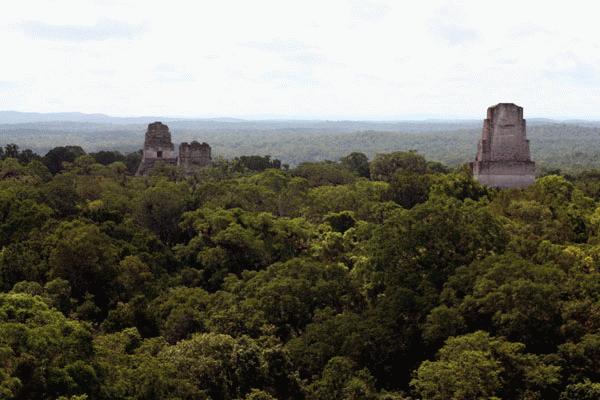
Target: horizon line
[(275, 117)]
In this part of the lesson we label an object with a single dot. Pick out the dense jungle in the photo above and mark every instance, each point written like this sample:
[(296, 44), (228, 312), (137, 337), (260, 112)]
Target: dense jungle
[(388, 277)]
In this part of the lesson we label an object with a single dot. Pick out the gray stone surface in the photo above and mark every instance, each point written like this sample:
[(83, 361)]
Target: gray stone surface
[(194, 155), (158, 147), (503, 159)]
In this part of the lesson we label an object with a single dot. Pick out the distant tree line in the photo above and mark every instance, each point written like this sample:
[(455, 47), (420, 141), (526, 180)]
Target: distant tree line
[(56, 158), (571, 147)]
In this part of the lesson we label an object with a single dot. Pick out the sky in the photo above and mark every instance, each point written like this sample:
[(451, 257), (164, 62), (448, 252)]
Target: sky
[(325, 59)]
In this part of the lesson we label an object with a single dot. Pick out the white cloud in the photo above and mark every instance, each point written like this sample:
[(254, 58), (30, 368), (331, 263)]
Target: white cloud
[(452, 25), (325, 59), (103, 29)]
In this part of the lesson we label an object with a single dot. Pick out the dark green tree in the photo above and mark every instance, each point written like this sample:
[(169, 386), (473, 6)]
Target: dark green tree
[(358, 163)]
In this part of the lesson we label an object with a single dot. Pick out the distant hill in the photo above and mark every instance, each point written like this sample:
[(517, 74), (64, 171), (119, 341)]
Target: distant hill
[(18, 117)]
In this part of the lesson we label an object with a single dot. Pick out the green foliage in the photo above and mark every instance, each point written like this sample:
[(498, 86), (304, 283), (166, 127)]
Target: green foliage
[(256, 394), (22, 156), (360, 197), (443, 322), (107, 157), (219, 366), (511, 296), (357, 163), (582, 358), (19, 216), (56, 158), (385, 166), (43, 353), (341, 380), (458, 185), (60, 194), (436, 237), (408, 189), (84, 256), (159, 208), (581, 391), (324, 173), (478, 366), (229, 241), (180, 312), (331, 280), (289, 294), (254, 163), (340, 222)]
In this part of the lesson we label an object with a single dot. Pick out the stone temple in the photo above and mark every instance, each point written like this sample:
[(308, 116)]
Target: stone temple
[(158, 148), (194, 155), (503, 159)]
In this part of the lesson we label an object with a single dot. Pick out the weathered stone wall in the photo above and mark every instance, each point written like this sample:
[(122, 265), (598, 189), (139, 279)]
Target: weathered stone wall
[(194, 155), (508, 139), (157, 148), (503, 158), (504, 174), (506, 181), (158, 135)]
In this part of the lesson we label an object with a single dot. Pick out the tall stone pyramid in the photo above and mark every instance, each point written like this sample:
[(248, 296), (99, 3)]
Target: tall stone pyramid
[(503, 159), (157, 148)]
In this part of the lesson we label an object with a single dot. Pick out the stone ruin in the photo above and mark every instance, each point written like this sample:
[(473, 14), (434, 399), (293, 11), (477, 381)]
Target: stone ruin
[(194, 155), (158, 148), (503, 159)]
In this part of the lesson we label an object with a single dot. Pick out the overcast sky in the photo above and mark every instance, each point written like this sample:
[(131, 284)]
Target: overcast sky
[(335, 59)]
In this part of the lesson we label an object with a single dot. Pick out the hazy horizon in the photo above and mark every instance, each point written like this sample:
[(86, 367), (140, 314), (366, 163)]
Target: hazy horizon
[(258, 118)]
